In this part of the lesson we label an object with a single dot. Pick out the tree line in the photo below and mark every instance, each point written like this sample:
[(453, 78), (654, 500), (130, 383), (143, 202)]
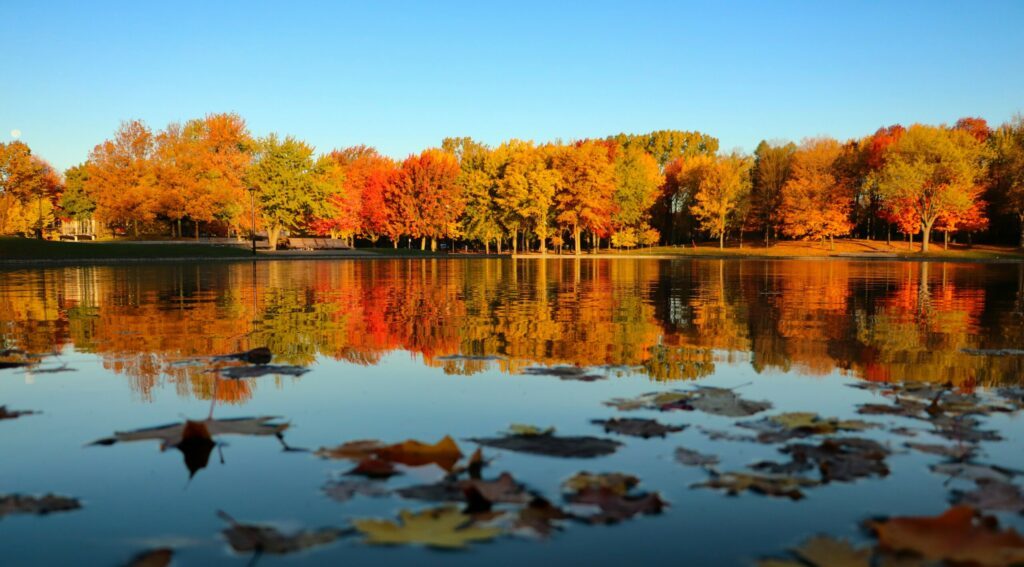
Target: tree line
[(667, 187)]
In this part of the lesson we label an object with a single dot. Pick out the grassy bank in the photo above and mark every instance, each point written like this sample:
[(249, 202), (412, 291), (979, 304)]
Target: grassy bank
[(32, 249)]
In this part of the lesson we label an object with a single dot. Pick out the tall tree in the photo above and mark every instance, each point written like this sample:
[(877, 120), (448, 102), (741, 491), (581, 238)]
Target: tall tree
[(586, 199), (1008, 169), (477, 179), (29, 186), (934, 169), (342, 218), (817, 200), (288, 188), (526, 184), (724, 184), (638, 180), (120, 176), (75, 202), (367, 174), (666, 146), (868, 199), (433, 198), (771, 170)]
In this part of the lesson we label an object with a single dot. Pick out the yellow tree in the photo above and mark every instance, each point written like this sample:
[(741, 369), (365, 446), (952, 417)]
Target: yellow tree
[(723, 185), (935, 170), (817, 199), (525, 189)]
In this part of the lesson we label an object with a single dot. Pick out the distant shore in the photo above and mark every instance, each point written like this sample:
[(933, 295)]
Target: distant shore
[(22, 252)]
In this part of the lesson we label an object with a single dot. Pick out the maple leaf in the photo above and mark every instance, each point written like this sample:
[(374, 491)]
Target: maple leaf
[(582, 447), (355, 450), (824, 551), (161, 557), (636, 427), (445, 527), (445, 453), (617, 483), (768, 485), (957, 535), (245, 538)]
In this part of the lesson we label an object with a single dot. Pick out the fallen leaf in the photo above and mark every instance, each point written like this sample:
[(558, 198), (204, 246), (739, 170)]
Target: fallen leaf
[(14, 414), (345, 490), (504, 489), (725, 402), (539, 517), (955, 536), (768, 485), (842, 459), (40, 506), (786, 426), (523, 429), (564, 373), (619, 483), (553, 446), (721, 435), (614, 507), (992, 496), (971, 471), (239, 372), (354, 450), (248, 538), (438, 527), (652, 400), (153, 558), (374, 468), (445, 453), (636, 427), (958, 452), (692, 458), (825, 551)]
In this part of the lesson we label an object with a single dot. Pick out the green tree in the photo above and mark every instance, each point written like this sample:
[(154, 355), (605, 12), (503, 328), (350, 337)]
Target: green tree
[(75, 202), (480, 220), (289, 188), (637, 185), (935, 170), (723, 188), (666, 146), (1008, 168)]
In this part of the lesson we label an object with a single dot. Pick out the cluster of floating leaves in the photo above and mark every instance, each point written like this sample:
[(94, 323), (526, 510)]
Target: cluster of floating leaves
[(470, 506)]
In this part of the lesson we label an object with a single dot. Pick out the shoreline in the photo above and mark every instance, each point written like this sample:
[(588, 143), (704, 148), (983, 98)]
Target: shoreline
[(14, 263)]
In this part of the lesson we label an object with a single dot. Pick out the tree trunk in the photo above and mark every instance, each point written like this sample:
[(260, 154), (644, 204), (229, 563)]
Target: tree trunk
[(831, 243), (135, 228), (721, 240), (394, 242), (576, 236), (543, 246), (423, 243), (1021, 216), (433, 244), (487, 247), (196, 223), (926, 235), (272, 235), (945, 241), (515, 242), (498, 244)]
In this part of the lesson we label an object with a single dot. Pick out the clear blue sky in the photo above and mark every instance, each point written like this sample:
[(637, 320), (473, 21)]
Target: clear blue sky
[(403, 75)]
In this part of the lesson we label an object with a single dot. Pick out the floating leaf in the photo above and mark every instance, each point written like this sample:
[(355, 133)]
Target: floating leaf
[(553, 446), (993, 496), (248, 538), (539, 517), (345, 490), (354, 450), (636, 427), (564, 373), (721, 435), (652, 400), (768, 485), (958, 452), (445, 453), (692, 458), (374, 468), (14, 414), (523, 429), (786, 426), (956, 536), (239, 372), (40, 506), (504, 489), (618, 483), (614, 507), (439, 527), (844, 459), (824, 551), (153, 558), (725, 402), (971, 471)]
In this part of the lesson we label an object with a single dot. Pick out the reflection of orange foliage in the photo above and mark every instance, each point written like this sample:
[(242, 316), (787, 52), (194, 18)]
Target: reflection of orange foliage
[(670, 320)]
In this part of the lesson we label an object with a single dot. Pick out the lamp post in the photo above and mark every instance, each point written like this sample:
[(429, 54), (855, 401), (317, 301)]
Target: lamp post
[(252, 207)]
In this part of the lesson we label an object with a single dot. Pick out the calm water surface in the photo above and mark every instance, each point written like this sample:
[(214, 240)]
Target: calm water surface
[(420, 349)]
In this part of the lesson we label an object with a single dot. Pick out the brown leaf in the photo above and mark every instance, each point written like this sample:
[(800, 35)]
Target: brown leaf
[(354, 450), (40, 506), (445, 453), (992, 495), (619, 483), (374, 468), (248, 538), (957, 452), (843, 459), (153, 558), (768, 485), (504, 489), (345, 490), (692, 458), (615, 507), (956, 536), (552, 445), (539, 517), (636, 427), (14, 414)]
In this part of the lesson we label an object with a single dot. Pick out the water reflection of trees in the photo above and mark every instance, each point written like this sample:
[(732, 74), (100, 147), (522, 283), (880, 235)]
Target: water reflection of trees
[(669, 319)]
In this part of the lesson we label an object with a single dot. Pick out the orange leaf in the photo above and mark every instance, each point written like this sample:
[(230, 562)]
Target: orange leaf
[(954, 536), (445, 453)]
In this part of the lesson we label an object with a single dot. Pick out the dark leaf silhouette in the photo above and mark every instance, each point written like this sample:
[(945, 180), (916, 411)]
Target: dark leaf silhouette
[(693, 458), (734, 483), (237, 372), (636, 427), (374, 468), (564, 373), (539, 518), (553, 446), (14, 414), (39, 506), (345, 490), (992, 496), (250, 538), (161, 557)]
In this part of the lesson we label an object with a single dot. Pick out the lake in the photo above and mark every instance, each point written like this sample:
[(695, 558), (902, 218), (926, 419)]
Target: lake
[(916, 362)]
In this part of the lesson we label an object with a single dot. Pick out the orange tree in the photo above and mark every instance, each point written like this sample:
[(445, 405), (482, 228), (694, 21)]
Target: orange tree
[(817, 200)]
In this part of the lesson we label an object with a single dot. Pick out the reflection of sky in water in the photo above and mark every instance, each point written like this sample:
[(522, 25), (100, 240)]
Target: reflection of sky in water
[(135, 496)]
